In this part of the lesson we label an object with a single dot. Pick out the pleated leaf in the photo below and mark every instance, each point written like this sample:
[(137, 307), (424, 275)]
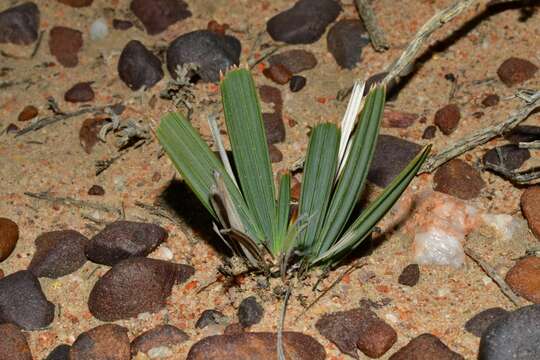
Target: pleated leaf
[(250, 149), (319, 173), (283, 211), (353, 177), (367, 220)]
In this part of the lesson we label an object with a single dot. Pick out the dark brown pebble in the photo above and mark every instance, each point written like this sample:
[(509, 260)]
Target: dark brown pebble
[(530, 206), (64, 45), (58, 253), (250, 312), (19, 24), (119, 24), (76, 3), (275, 154), (216, 27), (9, 235), (161, 335), (23, 303), (256, 346), (523, 133), (104, 342), (274, 127), (209, 317), (514, 71), (447, 118), (13, 344), (426, 347), (345, 41), (89, 131), (297, 83), (134, 286), (490, 100), (295, 61), (29, 112), (410, 275), (481, 321), (96, 190), (459, 179), (270, 94), (12, 129), (61, 352), (429, 132), (278, 73), (158, 15), (80, 92), (357, 328), (138, 66), (509, 156), (398, 119), (124, 239)]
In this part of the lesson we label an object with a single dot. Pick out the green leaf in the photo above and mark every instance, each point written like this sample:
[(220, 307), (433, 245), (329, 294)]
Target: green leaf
[(354, 174), (319, 174), (283, 210), (250, 149), (197, 164), (364, 224)]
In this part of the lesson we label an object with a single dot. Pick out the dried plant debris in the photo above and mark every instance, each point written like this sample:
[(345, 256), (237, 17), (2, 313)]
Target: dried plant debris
[(180, 90)]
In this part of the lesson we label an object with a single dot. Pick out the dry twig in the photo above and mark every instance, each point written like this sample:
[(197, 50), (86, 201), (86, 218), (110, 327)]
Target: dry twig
[(69, 201), (525, 177), (490, 271), (376, 34)]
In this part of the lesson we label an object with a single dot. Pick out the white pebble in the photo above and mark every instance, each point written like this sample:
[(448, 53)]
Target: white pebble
[(99, 29), (159, 352), (392, 318), (165, 253)]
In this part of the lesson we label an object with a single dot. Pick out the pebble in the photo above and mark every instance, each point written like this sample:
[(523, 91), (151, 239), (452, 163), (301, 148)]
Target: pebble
[(138, 66), (134, 286), (514, 71), (28, 113), (12, 129), (250, 312), (398, 119), (530, 206), (524, 278), (64, 45), (297, 83), (23, 303), (13, 344), (107, 341), (523, 133), (447, 118), (210, 317), (256, 346), (211, 52), (392, 155), (296, 60), (272, 95), (216, 27), (89, 132), (158, 15), (274, 126), (357, 328), (304, 23), (278, 73), (426, 346), (459, 179), (515, 336), (58, 253), (275, 154), (9, 235), (481, 321), (160, 352), (429, 132), (96, 190), (345, 41), (120, 24), (490, 100), (76, 3), (19, 24), (80, 92), (511, 156), (160, 336), (99, 29), (124, 239), (61, 352), (410, 275)]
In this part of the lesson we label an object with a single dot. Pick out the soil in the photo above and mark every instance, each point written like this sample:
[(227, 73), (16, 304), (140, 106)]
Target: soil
[(51, 159)]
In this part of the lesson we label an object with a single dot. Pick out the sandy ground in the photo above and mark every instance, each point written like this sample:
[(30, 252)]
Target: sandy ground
[(51, 159)]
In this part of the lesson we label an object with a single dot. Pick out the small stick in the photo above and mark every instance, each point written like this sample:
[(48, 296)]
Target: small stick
[(73, 202), (280, 348), (480, 137), (49, 120), (376, 34), (38, 44), (525, 177), (264, 54), (530, 145), (490, 271)]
